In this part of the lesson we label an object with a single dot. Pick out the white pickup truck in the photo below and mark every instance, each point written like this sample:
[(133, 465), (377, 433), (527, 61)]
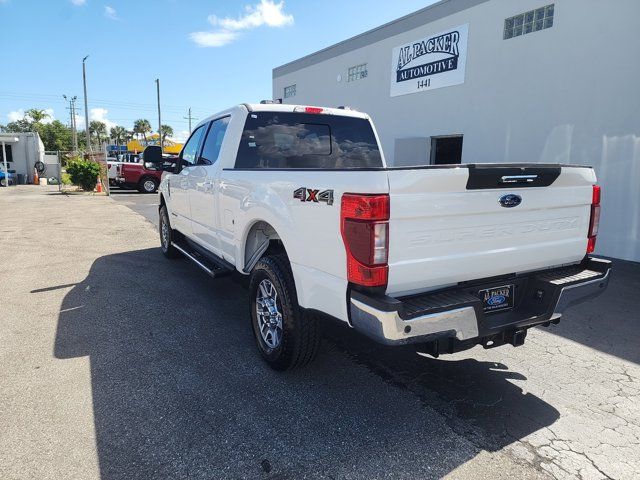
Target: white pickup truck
[(446, 256)]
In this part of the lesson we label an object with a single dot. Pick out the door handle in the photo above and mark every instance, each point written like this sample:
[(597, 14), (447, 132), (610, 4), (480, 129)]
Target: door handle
[(518, 178)]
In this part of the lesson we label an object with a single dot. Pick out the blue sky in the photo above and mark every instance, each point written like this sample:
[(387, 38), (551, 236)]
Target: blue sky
[(208, 54)]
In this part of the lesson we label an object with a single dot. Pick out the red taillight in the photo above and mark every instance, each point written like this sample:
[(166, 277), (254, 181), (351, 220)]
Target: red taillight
[(365, 231), (594, 221)]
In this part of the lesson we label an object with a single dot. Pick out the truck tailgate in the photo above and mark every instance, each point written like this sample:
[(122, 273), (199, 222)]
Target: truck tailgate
[(447, 225)]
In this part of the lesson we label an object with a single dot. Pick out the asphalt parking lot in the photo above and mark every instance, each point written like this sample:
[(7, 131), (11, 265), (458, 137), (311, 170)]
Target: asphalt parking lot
[(119, 364)]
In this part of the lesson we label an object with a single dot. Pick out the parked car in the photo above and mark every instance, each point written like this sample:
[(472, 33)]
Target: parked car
[(144, 176), (113, 162), (11, 178), (443, 256)]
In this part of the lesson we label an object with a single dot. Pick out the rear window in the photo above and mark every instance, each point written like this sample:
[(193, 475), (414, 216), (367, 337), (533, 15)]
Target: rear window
[(303, 140)]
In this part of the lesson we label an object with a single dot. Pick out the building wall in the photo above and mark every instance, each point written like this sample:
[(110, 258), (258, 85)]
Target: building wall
[(565, 94), (26, 152)]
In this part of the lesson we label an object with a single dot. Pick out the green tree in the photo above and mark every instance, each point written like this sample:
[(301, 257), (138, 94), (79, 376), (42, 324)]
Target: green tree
[(142, 126), (98, 129), (36, 115), (166, 131), (118, 134), (19, 126), (56, 136)]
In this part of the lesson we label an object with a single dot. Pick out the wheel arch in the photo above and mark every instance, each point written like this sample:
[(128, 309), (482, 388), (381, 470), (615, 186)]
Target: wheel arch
[(259, 239)]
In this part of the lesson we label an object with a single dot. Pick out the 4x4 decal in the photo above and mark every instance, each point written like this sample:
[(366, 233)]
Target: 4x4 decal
[(314, 195)]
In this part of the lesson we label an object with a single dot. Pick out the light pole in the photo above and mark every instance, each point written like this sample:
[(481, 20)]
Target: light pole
[(72, 113), (159, 119), (86, 109)]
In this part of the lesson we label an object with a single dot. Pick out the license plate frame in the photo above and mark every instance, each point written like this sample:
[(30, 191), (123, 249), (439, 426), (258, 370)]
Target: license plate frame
[(497, 299)]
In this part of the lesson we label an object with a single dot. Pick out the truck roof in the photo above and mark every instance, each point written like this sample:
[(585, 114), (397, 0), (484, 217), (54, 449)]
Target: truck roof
[(278, 107)]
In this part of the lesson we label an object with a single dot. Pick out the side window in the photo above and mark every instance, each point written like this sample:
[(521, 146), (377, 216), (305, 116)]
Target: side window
[(213, 142), (190, 149)]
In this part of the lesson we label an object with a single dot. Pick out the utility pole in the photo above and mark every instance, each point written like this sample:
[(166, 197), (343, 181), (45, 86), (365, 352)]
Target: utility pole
[(189, 118), (159, 119), (86, 108), (72, 114)]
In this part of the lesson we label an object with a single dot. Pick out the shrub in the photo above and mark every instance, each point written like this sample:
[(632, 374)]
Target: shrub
[(83, 173)]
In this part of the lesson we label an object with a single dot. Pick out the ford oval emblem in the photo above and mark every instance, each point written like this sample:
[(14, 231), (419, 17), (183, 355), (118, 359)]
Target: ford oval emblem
[(496, 300), (510, 200)]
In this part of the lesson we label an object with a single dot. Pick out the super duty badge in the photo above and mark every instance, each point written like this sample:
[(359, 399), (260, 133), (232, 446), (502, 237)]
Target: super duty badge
[(313, 195)]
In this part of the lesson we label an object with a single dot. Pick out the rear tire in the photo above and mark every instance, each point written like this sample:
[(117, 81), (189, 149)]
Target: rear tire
[(148, 185), (287, 336), (166, 235)]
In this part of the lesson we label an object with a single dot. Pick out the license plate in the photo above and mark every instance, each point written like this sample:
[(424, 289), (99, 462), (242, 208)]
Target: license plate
[(497, 299)]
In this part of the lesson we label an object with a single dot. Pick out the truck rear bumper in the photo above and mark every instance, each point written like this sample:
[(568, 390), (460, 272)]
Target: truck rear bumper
[(453, 319)]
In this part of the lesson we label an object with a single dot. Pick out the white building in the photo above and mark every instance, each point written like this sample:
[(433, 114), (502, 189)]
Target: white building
[(478, 81), (23, 154)]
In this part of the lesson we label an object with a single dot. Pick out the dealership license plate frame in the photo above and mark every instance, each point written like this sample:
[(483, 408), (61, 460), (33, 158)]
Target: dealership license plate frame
[(508, 304)]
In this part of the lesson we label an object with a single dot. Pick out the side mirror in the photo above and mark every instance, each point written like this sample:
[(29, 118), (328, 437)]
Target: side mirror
[(153, 154)]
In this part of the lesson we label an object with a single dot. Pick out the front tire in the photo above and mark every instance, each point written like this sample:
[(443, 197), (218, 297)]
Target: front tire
[(287, 336), (166, 235), (148, 185)]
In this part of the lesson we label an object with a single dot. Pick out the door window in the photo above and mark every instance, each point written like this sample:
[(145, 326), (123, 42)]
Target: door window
[(189, 152), (213, 142)]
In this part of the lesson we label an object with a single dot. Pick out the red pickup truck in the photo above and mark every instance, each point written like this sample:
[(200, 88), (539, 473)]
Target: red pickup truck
[(144, 176)]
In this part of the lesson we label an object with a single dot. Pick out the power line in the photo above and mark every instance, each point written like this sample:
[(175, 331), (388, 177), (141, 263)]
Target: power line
[(107, 102)]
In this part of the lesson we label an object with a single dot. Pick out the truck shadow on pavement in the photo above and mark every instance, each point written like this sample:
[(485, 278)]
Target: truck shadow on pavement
[(609, 323), (179, 389)]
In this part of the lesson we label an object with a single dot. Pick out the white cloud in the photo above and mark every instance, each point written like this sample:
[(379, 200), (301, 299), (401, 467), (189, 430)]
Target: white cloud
[(267, 12), (100, 115), (181, 136), (213, 39), (16, 115), (79, 121), (111, 13), (51, 117), (78, 3)]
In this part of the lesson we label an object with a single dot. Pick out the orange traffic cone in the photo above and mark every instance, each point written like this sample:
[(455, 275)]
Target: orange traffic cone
[(36, 180), (99, 186)]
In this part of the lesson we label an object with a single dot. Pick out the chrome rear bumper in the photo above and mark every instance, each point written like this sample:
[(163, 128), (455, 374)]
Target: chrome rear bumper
[(458, 314)]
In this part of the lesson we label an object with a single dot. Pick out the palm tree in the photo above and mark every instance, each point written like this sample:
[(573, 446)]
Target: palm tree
[(142, 126), (36, 115), (118, 134), (98, 128), (165, 131)]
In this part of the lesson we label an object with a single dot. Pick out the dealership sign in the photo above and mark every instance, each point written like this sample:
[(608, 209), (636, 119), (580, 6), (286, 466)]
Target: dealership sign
[(431, 62)]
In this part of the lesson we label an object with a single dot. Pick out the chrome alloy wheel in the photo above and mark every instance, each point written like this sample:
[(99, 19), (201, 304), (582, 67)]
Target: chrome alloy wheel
[(164, 233), (269, 317), (149, 186)]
